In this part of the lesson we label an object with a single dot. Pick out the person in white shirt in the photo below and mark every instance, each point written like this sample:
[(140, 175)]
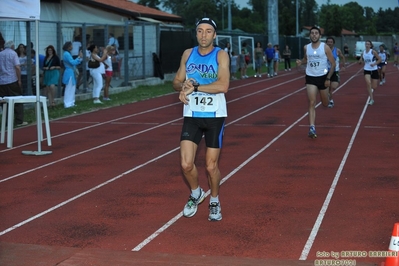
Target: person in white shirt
[(108, 71), (76, 46), (97, 72), (113, 42), (316, 55), (371, 59), (382, 65)]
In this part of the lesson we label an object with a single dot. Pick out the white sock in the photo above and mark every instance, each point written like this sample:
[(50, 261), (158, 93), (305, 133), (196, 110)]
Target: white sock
[(196, 192), (214, 199)]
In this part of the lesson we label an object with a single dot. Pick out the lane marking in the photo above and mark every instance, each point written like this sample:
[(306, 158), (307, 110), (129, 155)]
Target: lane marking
[(120, 139), (119, 176), (135, 114), (84, 193), (153, 160), (179, 215), (319, 220)]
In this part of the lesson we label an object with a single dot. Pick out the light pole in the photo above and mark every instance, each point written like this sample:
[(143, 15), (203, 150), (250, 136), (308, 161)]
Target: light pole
[(229, 15), (222, 14), (297, 23)]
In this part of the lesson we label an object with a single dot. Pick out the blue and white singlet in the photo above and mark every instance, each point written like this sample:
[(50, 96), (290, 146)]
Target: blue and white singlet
[(204, 69), (336, 57)]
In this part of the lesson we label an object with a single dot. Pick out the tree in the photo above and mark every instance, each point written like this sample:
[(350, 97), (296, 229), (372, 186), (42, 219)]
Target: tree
[(330, 20), (286, 20), (308, 12), (333, 18), (353, 16), (150, 3)]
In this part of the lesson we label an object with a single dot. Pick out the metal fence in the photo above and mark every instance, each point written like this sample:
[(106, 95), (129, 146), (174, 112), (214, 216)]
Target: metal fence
[(138, 41)]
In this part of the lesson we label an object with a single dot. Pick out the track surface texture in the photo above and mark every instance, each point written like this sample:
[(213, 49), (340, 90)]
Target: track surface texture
[(112, 191)]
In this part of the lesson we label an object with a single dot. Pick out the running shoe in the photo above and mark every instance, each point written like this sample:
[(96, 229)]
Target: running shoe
[(331, 104), (190, 209), (312, 132), (371, 102), (215, 212)]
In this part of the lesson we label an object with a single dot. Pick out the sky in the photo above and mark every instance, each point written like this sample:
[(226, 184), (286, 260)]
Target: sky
[(375, 4)]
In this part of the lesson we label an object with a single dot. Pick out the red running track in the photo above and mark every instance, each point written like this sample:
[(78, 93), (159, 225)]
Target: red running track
[(112, 192)]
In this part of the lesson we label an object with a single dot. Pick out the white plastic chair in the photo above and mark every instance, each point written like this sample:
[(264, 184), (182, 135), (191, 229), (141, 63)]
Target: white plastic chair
[(8, 109)]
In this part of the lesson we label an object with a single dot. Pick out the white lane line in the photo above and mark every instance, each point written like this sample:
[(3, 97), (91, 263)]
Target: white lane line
[(179, 215), (88, 150), (316, 226), (113, 121), (319, 220), (93, 125), (119, 176), (85, 193)]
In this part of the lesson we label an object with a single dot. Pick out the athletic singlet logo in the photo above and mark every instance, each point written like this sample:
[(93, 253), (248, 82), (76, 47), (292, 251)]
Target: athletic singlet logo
[(205, 71)]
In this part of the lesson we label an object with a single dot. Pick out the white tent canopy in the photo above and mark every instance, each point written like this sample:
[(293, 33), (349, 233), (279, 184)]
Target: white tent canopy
[(20, 9)]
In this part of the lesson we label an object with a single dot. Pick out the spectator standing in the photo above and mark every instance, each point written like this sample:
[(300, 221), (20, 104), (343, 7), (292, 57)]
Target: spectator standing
[(200, 119), (258, 59), (10, 79), (276, 59), (269, 54), (51, 68), (1, 42), (85, 61), (234, 62), (97, 72), (227, 49), (76, 47), (247, 58), (108, 71), (287, 58), (395, 54), (113, 42), (69, 77), (23, 62), (346, 50), (243, 64), (116, 61)]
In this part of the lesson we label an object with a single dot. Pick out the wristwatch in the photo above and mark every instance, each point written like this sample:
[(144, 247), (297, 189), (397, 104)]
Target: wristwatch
[(196, 87)]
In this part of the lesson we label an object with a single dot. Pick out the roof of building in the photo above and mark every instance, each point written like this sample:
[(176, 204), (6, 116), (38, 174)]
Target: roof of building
[(132, 9), (343, 31)]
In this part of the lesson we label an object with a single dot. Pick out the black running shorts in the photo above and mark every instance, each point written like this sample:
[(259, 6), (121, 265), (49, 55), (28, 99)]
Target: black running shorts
[(372, 73), (212, 128), (317, 81)]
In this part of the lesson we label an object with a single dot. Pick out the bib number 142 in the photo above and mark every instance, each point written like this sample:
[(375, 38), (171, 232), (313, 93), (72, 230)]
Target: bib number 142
[(203, 103)]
